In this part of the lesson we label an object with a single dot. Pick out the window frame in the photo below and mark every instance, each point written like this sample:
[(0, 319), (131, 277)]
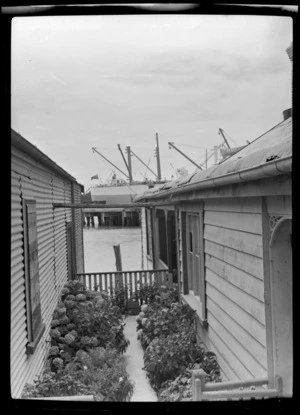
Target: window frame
[(195, 296), (31, 274), (162, 237), (149, 233)]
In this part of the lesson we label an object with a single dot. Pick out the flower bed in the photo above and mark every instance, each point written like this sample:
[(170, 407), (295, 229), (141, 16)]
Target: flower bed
[(166, 330), (87, 340)]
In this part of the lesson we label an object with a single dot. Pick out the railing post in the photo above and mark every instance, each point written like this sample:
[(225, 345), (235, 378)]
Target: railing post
[(278, 384), (198, 382)]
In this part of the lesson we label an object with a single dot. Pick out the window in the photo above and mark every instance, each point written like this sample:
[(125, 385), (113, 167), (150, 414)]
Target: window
[(35, 326), (172, 243), (191, 242), (162, 234), (149, 233)]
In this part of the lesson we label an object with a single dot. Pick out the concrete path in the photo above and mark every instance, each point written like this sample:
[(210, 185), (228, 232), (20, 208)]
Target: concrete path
[(143, 392)]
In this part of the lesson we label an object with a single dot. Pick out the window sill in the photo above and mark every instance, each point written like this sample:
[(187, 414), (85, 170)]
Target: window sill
[(30, 348), (195, 303)]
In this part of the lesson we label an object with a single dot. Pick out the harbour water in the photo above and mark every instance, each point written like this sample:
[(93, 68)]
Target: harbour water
[(99, 254)]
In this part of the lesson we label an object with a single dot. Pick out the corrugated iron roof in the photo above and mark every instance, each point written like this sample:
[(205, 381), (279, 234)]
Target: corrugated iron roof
[(276, 143), (20, 142)]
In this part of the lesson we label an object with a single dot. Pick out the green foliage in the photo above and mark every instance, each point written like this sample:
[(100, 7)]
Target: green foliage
[(119, 298), (164, 321), (180, 389), (55, 384), (166, 330), (97, 319), (168, 356), (148, 292), (87, 337), (99, 372), (104, 371)]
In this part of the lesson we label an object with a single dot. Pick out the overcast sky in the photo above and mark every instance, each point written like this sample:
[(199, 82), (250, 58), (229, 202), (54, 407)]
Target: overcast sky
[(99, 81)]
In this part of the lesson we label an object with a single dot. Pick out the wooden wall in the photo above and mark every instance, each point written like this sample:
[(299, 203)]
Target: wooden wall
[(234, 286), (31, 179)]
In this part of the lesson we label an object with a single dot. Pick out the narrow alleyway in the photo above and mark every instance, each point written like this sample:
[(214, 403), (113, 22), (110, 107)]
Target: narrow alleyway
[(135, 362)]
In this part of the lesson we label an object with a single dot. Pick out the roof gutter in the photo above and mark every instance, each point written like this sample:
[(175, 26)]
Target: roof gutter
[(270, 169)]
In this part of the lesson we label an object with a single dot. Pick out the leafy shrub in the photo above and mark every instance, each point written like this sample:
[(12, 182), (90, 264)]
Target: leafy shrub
[(166, 330), (99, 372), (164, 321), (120, 298), (97, 319), (86, 341), (148, 292), (168, 356), (180, 389), (104, 371), (55, 384)]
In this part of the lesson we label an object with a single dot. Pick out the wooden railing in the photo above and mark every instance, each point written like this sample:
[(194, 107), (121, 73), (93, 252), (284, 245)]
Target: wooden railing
[(233, 390), (132, 280)]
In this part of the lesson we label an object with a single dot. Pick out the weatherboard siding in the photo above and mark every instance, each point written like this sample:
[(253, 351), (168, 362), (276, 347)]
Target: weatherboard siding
[(30, 179), (235, 287)]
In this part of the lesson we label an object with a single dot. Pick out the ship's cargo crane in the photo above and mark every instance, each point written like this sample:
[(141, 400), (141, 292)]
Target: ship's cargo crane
[(128, 164), (229, 151), (94, 149), (171, 144), (224, 138)]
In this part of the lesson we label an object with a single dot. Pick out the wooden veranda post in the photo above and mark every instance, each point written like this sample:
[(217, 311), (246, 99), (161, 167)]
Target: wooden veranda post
[(117, 250), (119, 276)]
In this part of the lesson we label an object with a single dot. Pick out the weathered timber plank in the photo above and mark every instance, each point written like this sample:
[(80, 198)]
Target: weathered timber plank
[(239, 394), (246, 262), (246, 222), (237, 277), (254, 307), (221, 386), (279, 205), (237, 370), (241, 241), (243, 318), (239, 333), (242, 205)]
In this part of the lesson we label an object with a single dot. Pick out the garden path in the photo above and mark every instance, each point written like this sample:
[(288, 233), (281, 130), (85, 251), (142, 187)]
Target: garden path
[(143, 392)]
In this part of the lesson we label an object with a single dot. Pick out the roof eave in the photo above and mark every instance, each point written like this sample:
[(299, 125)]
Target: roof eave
[(22, 144), (269, 169)]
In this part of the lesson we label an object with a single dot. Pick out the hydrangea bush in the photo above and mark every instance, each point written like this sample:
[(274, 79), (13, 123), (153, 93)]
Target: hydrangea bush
[(99, 372), (85, 323), (98, 322), (167, 331)]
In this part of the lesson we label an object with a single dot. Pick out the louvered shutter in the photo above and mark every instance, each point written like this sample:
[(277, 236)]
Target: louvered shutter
[(35, 325)]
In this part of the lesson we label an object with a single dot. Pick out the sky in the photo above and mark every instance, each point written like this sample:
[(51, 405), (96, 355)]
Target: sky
[(98, 81)]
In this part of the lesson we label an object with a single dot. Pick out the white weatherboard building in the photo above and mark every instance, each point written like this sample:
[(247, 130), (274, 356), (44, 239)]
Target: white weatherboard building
[(227, 233)]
